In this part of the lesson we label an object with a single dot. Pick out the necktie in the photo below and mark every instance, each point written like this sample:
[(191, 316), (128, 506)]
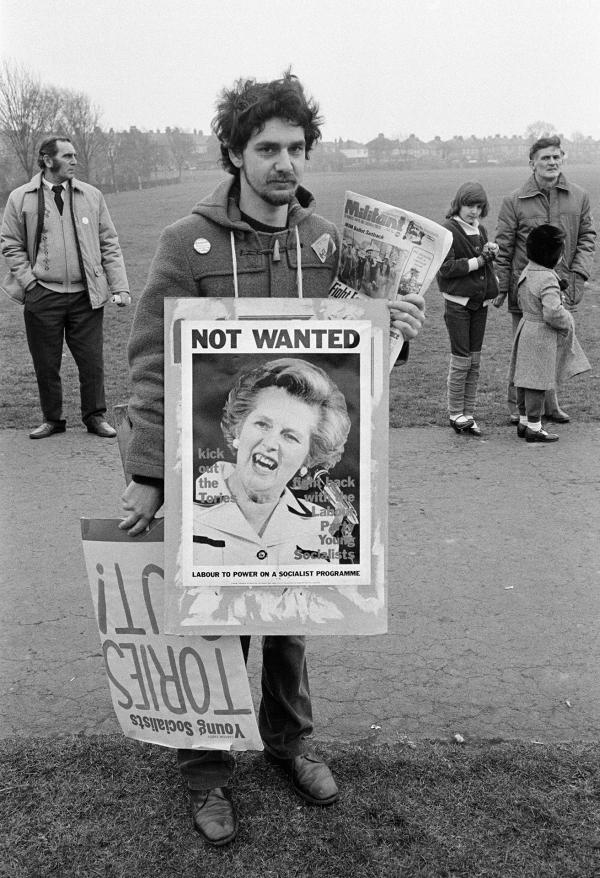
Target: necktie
[(58, 190)]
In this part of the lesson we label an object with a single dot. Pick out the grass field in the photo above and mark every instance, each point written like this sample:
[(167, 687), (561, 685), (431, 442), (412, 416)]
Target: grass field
[(417, 390), (109, 808)]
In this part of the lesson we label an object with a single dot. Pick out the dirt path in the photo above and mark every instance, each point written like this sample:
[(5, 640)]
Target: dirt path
[(494, 600)]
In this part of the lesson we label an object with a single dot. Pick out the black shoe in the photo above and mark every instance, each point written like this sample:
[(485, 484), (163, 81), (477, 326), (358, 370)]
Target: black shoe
[(214, 815), (461, 424), (558, 417), (96, 424), (311, 778), (513, 419), (474, 429), (540, 436), (521, 430), (48, 428)]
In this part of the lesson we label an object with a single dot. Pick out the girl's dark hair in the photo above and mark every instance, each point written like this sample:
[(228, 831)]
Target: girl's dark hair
[(469, 193), (245, 108)]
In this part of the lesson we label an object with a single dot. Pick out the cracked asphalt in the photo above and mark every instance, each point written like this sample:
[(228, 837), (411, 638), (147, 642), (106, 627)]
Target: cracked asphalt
[(494, 574)]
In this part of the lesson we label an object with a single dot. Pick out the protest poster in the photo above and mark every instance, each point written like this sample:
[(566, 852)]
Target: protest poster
[(276, 430), (184, 692), (387, 252)]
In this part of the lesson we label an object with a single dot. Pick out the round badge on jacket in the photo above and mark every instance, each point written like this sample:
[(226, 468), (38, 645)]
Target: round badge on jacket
[(201, 245)]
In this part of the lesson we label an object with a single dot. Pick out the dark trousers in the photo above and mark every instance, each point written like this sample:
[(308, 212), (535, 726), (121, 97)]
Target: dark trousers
[(51, 318), (466, 328), (531, 403), (284, 718)]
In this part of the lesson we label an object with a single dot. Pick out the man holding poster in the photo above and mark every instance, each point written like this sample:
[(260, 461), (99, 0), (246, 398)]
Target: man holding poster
[(256, 235)]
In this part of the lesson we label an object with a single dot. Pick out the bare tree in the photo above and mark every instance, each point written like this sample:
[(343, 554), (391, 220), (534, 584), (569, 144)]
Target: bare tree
[(28, 111), (181, 145), (81, 121), (539, 129)]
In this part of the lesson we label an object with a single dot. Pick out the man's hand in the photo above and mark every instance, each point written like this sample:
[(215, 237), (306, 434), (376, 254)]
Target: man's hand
[(141, 503), (121, 299), (407, 314), (574, 292), (498, 302)]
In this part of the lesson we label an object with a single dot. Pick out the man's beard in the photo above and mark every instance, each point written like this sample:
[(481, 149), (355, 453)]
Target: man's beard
[(275, 197), (278, 197)]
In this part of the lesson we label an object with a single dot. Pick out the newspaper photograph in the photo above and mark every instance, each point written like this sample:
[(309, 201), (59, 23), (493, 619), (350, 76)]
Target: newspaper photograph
[(271, 497), (387, 253)]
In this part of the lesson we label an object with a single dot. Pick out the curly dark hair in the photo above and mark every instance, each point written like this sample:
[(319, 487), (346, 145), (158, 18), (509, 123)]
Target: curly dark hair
[(245, 108)]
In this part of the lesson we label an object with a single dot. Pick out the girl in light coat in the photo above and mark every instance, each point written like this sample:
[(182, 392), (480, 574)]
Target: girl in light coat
[(545, 350)]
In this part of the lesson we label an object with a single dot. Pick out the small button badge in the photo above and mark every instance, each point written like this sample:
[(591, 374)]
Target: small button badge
[(202, 246)]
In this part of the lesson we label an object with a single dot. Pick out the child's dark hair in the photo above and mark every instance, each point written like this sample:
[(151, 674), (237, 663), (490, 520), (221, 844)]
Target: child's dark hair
[(544, 245), (247, 106), (468, 194)]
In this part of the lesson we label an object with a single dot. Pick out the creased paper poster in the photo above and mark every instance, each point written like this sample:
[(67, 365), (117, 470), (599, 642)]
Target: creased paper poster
[(185, 692), (276, 465)]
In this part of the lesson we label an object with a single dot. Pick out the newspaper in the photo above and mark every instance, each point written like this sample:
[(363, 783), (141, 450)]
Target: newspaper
[(276, 413), (387, 252)]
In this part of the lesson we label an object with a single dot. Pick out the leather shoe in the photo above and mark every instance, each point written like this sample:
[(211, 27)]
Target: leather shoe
[(521, 430), (311, 778), (558, 417), (461, 424), (513, 419), (96, 424), (48, 428), (214, 815), (540, 436)]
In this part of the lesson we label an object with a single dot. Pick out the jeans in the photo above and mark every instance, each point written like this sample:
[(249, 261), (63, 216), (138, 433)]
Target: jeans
[(466, 328), (284, 718)]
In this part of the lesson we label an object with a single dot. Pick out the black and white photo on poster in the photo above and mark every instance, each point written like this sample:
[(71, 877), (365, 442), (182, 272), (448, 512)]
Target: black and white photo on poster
[(276, 449)]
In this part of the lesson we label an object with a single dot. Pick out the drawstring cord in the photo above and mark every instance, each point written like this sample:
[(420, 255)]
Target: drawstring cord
[(299, 288), (234, 261), (298, 263)]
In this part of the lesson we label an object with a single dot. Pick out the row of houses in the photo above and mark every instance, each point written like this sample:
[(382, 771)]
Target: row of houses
[(123, 160), (383, 152)]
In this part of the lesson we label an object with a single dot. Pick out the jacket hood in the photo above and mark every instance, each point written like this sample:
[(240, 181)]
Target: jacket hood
[(222, 206)]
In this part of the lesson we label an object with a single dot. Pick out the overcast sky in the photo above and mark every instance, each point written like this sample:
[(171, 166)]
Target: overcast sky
[(426, 67)]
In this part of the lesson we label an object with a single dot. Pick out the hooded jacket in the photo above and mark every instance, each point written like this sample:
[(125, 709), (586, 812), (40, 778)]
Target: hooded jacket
[(567, 208), (98, 245), (215, 253)]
